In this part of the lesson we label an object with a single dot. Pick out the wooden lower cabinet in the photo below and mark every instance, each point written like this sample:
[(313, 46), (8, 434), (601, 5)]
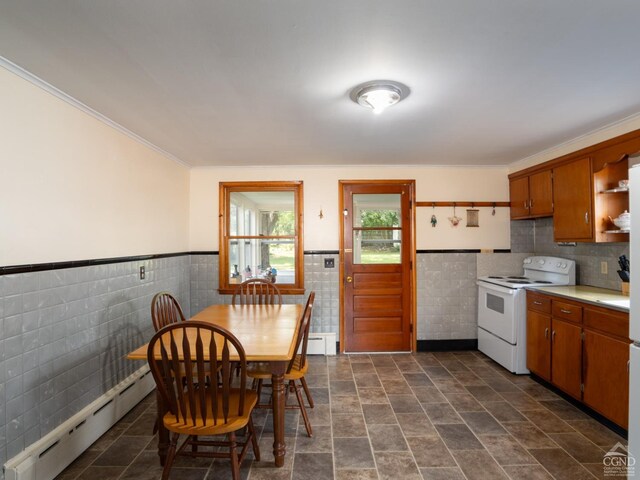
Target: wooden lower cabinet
[(566, 355), (585, 355), (606, 376), (539, 344)]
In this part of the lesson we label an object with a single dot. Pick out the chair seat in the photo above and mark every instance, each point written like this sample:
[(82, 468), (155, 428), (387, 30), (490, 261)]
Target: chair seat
[(260, 370), (199, 428)]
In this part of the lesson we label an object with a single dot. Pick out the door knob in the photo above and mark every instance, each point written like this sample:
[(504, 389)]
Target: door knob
[(349, 279)]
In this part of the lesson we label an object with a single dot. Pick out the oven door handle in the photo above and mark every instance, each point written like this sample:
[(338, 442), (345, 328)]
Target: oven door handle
[(496, 288)]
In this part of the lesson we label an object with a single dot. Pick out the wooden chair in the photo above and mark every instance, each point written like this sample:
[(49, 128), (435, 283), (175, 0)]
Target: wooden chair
[(257, 291), (198, 408), (165, 310), (296, 369)]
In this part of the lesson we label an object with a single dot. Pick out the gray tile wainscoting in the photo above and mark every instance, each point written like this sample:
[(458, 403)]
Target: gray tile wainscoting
[(64, 337), (64, 333), (446, 296), (324, 281), (588, 256)]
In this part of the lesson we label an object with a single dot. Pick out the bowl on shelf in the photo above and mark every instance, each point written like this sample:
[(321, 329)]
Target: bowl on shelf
[(623, 184)]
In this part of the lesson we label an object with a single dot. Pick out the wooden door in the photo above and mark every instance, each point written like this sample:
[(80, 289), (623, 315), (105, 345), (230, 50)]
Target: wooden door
[(541, 194), (572, 212), (566, 357), (519, 197), (606, 376), (377, 254), (539, 344)]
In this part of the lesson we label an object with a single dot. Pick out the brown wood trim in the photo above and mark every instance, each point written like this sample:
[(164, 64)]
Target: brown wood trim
[(463, 204), (297, 186), (412, 214), (587, 151)]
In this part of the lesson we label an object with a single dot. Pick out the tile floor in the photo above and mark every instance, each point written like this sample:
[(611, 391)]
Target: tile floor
[(450, 415)]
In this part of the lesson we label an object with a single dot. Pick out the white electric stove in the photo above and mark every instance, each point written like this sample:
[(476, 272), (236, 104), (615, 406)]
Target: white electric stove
[(502, 308)]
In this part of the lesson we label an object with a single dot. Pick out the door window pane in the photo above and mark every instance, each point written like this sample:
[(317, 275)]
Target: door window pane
[(376, 246), (376, 210)]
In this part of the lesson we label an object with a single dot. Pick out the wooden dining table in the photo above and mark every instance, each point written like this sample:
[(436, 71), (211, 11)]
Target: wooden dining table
[(268, 334)]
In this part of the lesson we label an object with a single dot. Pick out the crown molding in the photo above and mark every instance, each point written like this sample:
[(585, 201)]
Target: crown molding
[(572, 144), (74, 102)]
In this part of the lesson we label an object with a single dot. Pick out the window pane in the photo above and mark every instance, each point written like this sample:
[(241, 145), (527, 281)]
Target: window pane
[(233, 220), (267, 212), (376, 246), (376, 210), (260, 258)]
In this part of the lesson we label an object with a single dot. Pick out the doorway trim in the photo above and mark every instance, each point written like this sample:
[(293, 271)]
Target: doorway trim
[(412, 260)]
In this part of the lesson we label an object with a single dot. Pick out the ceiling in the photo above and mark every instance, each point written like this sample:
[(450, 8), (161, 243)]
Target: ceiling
[(267, 82)]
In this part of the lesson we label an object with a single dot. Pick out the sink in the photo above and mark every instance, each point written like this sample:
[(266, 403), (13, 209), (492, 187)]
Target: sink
[(616, 303)]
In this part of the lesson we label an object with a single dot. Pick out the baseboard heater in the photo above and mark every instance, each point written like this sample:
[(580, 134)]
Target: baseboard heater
[(321, 344), (50, 455)]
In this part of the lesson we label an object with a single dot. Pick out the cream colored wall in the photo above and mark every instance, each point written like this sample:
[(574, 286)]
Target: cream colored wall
[(321, 192), (74, 188)]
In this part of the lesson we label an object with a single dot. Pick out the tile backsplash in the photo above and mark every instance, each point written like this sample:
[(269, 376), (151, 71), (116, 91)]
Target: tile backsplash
[(588, 256)]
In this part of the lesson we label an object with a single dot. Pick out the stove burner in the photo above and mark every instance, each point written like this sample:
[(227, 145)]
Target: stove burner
[(543, 281), (519, 282), (517, 278), (493, 276)]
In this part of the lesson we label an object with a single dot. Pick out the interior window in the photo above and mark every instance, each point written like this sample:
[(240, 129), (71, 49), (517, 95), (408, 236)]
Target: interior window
[(261, 234)]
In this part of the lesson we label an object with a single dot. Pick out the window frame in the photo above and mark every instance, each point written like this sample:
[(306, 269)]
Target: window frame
[(225, 190)]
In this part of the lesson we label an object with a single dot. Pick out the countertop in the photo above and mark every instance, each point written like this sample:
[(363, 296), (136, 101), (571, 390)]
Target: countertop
[(601, 297)]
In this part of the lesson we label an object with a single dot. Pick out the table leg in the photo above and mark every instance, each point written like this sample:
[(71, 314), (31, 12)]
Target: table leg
[(163, 433), (278, 398)]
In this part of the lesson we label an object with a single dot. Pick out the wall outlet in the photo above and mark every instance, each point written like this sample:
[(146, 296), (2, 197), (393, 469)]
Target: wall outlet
[(604, 268), (142, 273), (329, 263)]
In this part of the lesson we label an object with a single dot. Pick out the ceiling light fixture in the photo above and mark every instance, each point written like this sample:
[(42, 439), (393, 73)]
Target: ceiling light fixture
[(379, 95)]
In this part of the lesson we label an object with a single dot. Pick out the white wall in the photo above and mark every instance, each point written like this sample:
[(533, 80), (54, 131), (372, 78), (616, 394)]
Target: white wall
[(74, 188), (321, 192), (610, 131)]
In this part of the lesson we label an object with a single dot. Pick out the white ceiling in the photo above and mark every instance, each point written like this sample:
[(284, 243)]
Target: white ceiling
[(266, 82)]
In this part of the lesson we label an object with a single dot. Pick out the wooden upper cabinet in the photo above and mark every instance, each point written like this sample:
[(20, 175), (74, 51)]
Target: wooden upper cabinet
[(531, 196), (572, 195), (541, 194), (519, 197)]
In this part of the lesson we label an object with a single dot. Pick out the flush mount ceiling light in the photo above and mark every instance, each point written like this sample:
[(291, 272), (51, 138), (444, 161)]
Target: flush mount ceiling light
[(379, 95)]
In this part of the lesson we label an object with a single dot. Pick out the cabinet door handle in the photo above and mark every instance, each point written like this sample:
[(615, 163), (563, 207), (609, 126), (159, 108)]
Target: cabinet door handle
[(553, 336), (567, 312), (531, 203), (525, 205), (546, 333), (536, 302), (586, 217)]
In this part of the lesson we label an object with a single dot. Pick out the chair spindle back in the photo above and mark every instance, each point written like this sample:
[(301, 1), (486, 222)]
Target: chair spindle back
[(257, 291), (182, 381), (165, 310), (303, 333)]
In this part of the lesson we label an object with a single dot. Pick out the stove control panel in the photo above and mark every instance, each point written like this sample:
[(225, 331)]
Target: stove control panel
[(557, 270)]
